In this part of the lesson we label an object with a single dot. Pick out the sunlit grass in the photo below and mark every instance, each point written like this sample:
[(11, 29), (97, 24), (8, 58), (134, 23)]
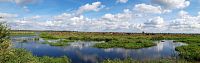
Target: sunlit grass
[(129, 60)]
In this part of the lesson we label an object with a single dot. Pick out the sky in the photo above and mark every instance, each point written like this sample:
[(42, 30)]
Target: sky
[(153, 16)]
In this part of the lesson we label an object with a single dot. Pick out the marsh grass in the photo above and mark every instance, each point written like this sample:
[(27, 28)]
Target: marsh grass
[(58, 43), (18, 33), (130, 60), (128, 45), (111, 41), (190, 52), (23, 56)]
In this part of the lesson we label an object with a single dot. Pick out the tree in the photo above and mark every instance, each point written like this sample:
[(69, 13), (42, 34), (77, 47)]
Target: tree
[(5, 44), (4, 36)]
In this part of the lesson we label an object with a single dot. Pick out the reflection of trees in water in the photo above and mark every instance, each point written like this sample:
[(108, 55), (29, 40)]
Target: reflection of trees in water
[(160, 46), (125, 52), (82, 44), (85, 52), (164, 49), (77, 48), (87, 57)]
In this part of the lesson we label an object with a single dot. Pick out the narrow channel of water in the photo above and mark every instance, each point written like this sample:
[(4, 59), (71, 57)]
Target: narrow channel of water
[(81, 51)]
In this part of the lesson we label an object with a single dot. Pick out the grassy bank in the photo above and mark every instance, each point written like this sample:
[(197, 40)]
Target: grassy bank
[(22, 56), (190, 52), (129, 60)]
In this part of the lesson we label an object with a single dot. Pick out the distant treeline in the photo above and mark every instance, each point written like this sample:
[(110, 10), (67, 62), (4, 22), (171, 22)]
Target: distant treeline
[(129, 33)]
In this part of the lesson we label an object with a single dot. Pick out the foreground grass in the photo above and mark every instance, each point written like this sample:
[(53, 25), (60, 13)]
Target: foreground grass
[(129, 60), (22, 56)]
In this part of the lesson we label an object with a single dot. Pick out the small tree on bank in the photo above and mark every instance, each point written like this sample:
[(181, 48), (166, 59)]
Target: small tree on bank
[(4, 36), (4, 42)]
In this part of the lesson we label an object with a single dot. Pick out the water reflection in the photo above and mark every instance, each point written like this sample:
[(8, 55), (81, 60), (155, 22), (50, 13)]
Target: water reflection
[(162, 50), (82, 52)]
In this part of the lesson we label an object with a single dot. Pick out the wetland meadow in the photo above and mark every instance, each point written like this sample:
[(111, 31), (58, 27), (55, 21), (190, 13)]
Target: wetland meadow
[(99, 31), (108, 47)]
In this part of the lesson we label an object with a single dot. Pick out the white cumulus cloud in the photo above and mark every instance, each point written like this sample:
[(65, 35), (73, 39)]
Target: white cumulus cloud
[(122, 1), (149, 9), (96, 6), (179, 4), (185, 21), (156, 22), (7, 15)]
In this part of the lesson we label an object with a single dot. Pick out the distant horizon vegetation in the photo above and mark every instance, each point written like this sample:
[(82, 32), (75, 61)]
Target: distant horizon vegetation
[(101, 32)]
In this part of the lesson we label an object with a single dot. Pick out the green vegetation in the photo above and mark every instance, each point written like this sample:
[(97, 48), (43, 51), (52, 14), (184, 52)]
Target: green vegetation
[(190, 52), (125, 44), (19, 33), (129, 60), (4, 42), (111, 40), (22, 56), (49, 36), (10, 55), (58, 43), (47, 59)]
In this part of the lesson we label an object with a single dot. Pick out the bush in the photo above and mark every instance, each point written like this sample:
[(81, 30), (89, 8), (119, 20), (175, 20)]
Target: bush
[(190, 52)]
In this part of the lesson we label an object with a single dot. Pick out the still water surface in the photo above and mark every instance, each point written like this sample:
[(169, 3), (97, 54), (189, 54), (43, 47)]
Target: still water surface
[(83, 52)]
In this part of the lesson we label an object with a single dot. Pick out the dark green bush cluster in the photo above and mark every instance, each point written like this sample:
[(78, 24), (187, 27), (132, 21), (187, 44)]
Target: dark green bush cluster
[(190, 52)]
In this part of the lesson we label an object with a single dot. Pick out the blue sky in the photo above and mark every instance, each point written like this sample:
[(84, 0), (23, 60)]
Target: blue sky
[(171, 16)]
